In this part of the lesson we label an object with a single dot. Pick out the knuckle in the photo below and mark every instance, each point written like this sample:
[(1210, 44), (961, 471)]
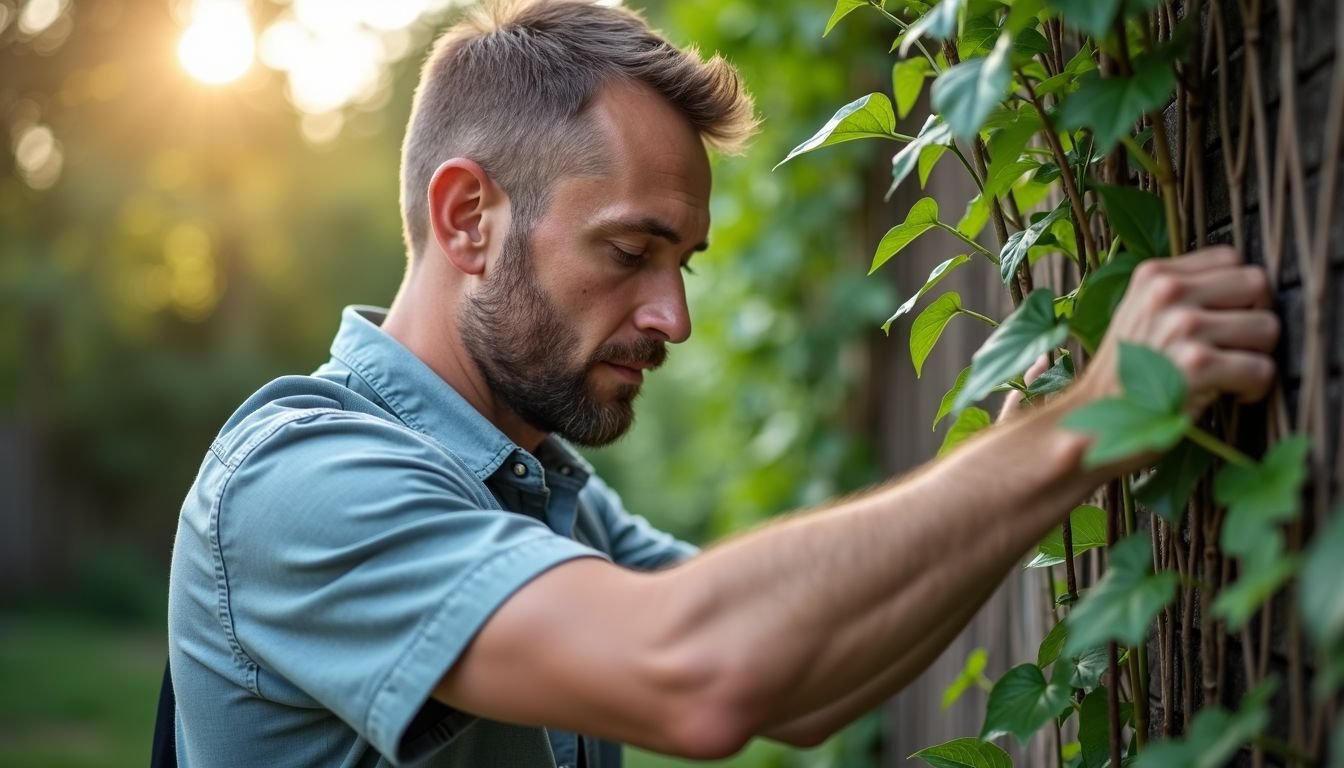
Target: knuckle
[(1147, 270), (1265, 372), (1185, 323), (1165, 289), (1194, 358), (1273, 328), (1256, 278)]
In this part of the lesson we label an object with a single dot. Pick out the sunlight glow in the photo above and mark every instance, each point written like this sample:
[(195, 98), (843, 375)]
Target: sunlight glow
[(218, 45)]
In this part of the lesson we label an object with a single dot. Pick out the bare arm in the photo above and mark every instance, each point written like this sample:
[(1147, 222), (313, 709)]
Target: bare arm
[(806, 622)]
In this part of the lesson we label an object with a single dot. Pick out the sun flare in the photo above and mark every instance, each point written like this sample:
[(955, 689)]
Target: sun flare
[(218, 46)]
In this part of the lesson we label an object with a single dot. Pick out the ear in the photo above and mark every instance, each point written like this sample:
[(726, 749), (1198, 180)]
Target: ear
[(465, 209)]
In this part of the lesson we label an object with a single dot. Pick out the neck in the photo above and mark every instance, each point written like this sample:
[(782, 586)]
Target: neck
[(423, 318)]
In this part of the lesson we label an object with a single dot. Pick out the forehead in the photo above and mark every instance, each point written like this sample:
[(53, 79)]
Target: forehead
[(655, 166)]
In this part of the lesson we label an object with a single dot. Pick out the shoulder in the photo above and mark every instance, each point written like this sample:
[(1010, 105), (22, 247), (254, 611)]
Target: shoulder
[(302, 439)]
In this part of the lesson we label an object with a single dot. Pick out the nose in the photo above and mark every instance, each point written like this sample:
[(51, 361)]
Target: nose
[(663, 312)]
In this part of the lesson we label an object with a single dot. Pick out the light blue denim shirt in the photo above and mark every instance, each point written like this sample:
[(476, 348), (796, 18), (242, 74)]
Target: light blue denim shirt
[(348, 534)]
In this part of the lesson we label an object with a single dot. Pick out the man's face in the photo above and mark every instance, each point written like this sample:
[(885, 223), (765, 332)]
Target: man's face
[(576, 309)]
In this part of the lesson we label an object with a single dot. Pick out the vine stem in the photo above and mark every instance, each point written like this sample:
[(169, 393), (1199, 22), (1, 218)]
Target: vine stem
[(990, 321), (1217, 447), (980, 185), (1140, 154), (906, 28), (969, 241), (1138, 657), (1070, 188)]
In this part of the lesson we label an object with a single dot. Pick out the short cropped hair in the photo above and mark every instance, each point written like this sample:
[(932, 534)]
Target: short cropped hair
[(509, 85)]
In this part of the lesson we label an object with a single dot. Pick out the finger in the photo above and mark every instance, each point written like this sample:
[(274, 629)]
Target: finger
[(1208, 370), (1011, 402), (1213, 257), (1253, 330), (1237, 287), (1037, 368)]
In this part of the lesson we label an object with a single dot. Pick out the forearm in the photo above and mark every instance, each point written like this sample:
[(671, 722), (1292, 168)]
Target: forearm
[(816, 607)]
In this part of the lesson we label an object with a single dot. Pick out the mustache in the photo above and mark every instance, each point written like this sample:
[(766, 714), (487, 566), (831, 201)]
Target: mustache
[(646, 352)]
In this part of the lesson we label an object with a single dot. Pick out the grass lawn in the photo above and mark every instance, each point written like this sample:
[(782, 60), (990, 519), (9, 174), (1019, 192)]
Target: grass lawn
[(76, 692)]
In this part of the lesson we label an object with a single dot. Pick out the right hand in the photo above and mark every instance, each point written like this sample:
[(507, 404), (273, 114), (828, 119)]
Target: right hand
[(1209, 313)]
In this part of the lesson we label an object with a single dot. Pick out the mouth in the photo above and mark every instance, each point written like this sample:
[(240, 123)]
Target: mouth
[(633, 374)]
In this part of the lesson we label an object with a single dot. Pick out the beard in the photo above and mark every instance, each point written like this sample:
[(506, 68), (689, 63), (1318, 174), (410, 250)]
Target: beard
[(519, 341)]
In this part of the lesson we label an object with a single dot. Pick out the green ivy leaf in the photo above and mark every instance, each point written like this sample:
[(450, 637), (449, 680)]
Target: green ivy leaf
[(842, 9), (929, 325), (1259, 579), (1002, 176), (938, 273), (1151, 379), (1015, 250), (1051, 645), (1166, 490), (1081, 63), (934, 134), (939, 23), (970, 675), (945, 407), (1005, 144), (1099, 295), (966, 93), (1054, 378), (866, 117), (1138, 218), (1148, 417), (1023, 15), (1215, 736), (1093, 17), (1031, 331), (968, 422), (907, 80), (1094, 728), (1262, 495), (1088, 526), (928, 158), (1110, 106), (922, 217), (1083, 670), (964, 753), (1124, 429), (974, 219), (1321, 601), (1122, 605), (1021, 702)]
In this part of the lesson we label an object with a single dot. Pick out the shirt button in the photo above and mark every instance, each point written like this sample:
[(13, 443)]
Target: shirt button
[(565, 469), (520, 469)]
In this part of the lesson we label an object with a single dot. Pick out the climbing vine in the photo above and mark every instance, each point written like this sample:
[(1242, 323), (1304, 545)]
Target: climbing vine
[(1081, 124)]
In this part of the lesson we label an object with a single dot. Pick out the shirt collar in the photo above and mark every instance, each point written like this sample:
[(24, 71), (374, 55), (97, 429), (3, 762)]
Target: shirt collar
[(425, 402)]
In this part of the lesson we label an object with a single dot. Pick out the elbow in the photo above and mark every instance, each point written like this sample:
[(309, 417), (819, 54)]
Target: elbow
[(719, 706), (709, 734)]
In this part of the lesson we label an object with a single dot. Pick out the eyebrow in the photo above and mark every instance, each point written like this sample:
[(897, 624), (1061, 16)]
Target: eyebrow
[(647, 225)]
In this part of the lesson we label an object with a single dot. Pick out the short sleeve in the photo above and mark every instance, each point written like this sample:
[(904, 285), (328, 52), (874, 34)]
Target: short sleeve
[(359, 561), (634, 542)]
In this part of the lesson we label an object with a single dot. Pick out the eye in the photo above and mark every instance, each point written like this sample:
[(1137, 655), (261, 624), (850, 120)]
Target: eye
[(624, 257)]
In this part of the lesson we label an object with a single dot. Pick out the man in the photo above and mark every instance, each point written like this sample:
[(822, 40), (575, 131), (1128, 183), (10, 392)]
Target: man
[(397, 560)]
